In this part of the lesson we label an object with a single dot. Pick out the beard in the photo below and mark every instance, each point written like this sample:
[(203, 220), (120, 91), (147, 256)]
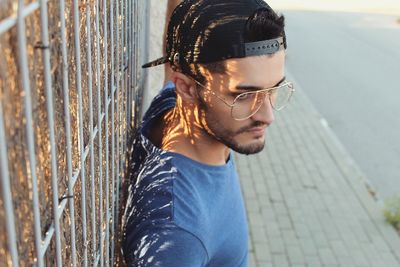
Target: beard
[(226, 136)]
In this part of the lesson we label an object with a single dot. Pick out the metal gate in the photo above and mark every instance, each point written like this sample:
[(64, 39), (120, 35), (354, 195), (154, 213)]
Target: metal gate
[(70, 89)]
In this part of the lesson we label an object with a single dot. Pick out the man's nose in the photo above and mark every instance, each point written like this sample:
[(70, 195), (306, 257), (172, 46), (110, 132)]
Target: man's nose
[(266, 113)]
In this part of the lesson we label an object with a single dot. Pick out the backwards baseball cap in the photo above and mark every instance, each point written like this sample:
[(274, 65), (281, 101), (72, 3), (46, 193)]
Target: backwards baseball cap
[(205, 31)]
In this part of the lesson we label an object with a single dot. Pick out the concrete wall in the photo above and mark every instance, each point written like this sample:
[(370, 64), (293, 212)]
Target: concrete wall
[(155, 74)]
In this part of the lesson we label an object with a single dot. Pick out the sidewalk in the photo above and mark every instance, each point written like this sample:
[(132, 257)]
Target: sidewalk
[(307, 202)]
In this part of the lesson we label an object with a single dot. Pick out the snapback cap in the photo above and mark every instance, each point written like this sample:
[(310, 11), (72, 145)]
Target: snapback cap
[(205, 31)]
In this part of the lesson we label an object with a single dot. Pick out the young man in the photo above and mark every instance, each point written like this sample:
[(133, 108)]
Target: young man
[(185, 206)]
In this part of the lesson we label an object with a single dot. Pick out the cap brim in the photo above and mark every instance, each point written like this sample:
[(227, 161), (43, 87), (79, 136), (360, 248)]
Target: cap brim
[(161, 60)]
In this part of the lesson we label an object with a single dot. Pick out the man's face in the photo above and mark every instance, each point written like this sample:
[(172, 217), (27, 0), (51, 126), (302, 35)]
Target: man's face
[(244, 136)]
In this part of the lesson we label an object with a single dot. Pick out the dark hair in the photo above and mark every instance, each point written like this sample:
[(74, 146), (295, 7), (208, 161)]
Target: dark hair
[(264, 24)]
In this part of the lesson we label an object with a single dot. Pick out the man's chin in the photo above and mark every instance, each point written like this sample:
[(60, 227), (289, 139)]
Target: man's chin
[(248, 149)]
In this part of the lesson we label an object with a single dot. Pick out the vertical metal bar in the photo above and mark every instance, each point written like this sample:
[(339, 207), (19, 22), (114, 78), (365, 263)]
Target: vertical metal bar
[(130, 60), (122, 103), (127, 60), (125, 67), (91, 146), (99, 127), (6, 193), (23, 64), (112, 129), (115, 215), (80, 116), (136, 44), (121, 100), (68, 131), (50, 117), (135, 11), (122, 75), (135, 51), (143, 55), (129, 67), (105, 44)]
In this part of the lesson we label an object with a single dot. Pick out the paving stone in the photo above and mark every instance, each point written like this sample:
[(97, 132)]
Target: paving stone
[(338, 248), (276, 196), (320, 239), (295, 255), (255, 219), (272, 229), (290, 238), (273, 184), (389, 259), (258, 234), (280, 260), (252, 205), (291, 202), (250, 195), (380, 244), (276, 245), (302, 230), (346, 261), (370, 252), (313, 261), (265, 201), (308, 246), (251, 260), (327, 257), (268, 215), (359, 258), (280, 208), (379, 263), (262, 252), (284, 222), (265, 264)]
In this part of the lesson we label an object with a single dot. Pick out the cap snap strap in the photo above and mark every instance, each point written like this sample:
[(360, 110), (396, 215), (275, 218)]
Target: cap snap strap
[(264, 47)]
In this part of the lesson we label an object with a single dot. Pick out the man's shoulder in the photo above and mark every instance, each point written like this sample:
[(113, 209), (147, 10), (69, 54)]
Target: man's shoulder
[(149, 198), (161, 188)]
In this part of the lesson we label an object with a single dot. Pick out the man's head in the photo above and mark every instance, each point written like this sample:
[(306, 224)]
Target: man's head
[(219, 49)]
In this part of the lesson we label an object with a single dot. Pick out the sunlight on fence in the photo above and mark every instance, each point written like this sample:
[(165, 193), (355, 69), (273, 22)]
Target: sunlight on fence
[(70, 84)]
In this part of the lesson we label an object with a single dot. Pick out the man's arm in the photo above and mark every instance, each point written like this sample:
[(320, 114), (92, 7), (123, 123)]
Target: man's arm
[(166, 246), (170, 7)]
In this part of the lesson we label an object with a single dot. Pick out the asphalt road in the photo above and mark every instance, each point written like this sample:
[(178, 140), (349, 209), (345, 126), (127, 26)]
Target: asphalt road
[(349, 66)]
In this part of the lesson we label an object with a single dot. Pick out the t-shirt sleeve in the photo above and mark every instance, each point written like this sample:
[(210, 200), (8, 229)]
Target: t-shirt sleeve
[(165, 246)]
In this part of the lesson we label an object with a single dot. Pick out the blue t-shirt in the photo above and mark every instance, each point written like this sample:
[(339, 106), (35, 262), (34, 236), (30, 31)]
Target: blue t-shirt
[(180, 212)]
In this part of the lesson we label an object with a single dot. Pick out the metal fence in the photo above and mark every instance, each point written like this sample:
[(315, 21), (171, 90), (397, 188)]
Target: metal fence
[(69, 92)]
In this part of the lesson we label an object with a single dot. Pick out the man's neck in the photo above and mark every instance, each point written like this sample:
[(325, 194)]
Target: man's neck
[(183, 134)]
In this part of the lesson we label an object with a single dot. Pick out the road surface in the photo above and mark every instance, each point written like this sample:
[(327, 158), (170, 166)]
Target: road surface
[(349, 66)]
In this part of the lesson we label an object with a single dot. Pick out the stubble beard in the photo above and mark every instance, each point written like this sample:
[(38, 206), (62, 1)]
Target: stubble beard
[(217, 131)]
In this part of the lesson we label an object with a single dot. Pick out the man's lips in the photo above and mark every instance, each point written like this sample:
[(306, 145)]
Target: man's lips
[(257, 130), (259, 127)]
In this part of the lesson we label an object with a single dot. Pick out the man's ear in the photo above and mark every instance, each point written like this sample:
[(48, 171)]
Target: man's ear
[(184, 86)]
